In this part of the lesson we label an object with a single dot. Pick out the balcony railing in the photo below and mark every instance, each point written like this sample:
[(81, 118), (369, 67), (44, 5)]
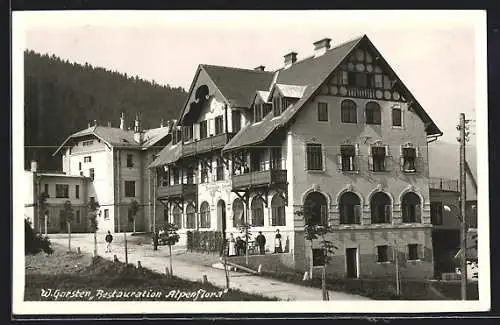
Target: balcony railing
[(259, 179), (444, 184), (206, 145), (177, 190)]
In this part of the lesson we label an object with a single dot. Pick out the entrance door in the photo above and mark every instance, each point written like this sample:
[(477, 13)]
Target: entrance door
[(351, 259), (221, 217)]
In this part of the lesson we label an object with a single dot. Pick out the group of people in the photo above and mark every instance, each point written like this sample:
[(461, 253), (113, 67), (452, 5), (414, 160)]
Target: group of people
[(237, 247)]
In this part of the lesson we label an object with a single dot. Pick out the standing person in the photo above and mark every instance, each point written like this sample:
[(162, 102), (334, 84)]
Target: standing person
[(261, 241), (155, 240), (232, 245), (108, 239), (277, 242)]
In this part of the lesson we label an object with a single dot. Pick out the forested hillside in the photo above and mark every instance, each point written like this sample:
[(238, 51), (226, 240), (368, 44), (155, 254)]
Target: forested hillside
[(62, 97)]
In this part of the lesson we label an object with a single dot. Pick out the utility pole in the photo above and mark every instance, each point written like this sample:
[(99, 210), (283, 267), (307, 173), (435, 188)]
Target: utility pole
[(396, 265), (463, 234)]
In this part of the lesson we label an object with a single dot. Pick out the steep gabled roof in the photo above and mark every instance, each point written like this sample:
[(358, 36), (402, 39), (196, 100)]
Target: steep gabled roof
[(237, 85), (116, 137), (311, 73)]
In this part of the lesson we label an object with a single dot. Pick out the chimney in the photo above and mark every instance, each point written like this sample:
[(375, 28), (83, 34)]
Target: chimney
[(290, 59), (89, 125), (260, 68), (34, 166), (109, 124), (161, 122), (95, 122), (122, 122), (321, 46), (138, 134)]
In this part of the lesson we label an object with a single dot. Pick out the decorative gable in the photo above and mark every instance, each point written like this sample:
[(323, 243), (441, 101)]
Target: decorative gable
[(362, 75)]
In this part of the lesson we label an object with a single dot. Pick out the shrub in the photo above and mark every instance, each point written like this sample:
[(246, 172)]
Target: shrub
[(35, 243)]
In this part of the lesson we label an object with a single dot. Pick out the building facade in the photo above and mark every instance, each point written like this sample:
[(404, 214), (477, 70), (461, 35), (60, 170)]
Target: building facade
[(114, 160), (337, 133)]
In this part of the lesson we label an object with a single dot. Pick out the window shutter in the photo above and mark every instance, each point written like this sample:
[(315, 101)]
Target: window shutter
[(402, 163), (387, 153), (421, 252), (391, 251), (323, 158), (356, 149), (357, 214), (375, 253), (418, 213), (306, 157), (387, 210), (370, 162), (339, 162)]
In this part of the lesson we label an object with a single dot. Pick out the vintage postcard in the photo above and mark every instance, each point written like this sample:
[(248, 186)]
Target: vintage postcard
[(301, 161)]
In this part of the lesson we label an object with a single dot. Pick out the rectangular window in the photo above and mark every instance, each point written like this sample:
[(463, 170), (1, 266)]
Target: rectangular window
[(387, 83), (175, 173), (190, 175), (276, 158), (437, 213), (378, 158), (276, 106), (396, 117), (314, 156), (87, 143), (347, 153), (129, 188), (236, 120), (344, 78), (323, 112), (378, 81), (318, 256), (383, 253), (77, 191), (80, 166), (62, 190), (187, 133), (204, 172), (91, 173), (408, 161), (130, 161), (257, 113), (87, 159), (220, 170), (219, 124), (351, 78), (203, 129), (77, 216), (278, 216), (413, 252), (106, 214), (46, 188), (361, 80), (286, 102), (255, 161), (266, 109)]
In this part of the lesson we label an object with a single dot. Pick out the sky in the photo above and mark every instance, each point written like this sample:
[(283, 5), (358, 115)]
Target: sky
[(433, 52)]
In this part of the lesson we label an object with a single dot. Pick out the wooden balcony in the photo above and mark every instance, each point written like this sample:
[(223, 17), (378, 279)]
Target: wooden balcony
[(259, 179), (177, 191), (206, 145), (444, 184)]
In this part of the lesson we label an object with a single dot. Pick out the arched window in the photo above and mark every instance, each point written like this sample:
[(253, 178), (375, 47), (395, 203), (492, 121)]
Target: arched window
[(372, 113), (380, 207), (348, 112), (316, 209), (190, 216), (257, 212), (237, 213), (278, 210), (410, 208), (205, 215), (177, 216), (350, 208)]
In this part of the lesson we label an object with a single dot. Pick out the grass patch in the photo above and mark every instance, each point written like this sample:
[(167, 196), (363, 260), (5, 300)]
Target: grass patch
[(452, 289), (55, 277)]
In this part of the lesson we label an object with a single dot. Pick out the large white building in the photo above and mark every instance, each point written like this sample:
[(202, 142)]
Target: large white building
[(337, 130), (115, 160)]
